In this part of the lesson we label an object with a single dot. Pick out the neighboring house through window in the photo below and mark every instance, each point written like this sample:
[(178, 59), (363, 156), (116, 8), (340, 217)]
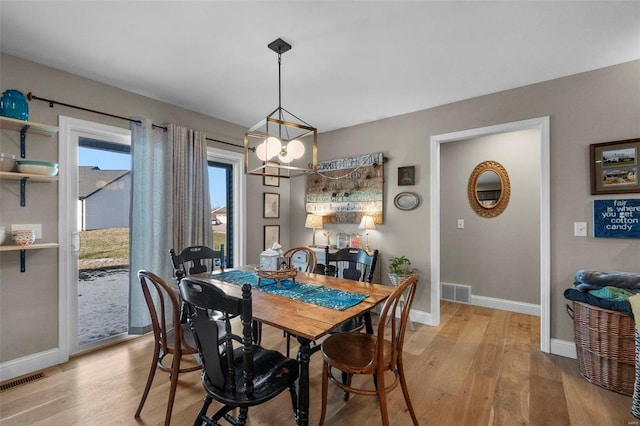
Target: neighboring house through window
[(104, 198)]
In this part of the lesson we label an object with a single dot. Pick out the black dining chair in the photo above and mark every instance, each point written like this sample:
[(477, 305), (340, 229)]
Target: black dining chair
[(197, 259), (242, 374), (353, 264)]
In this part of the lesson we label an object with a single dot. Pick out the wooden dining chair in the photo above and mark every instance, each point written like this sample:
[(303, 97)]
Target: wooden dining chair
[(303, 257), (306, 259), (171, 337), (362, 353), (237, 373)]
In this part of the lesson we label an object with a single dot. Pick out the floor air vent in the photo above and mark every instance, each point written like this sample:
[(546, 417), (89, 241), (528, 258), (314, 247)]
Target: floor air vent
[(21, 381), (455, 292)]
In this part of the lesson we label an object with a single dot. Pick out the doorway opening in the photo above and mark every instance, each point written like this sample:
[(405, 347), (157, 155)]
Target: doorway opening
[(542, 126)]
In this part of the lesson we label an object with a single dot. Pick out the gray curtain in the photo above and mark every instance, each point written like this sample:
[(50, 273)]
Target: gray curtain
[(170, 205), (151, 222), (192, 206)]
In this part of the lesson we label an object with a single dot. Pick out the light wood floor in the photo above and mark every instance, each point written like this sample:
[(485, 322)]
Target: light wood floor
[(479, 367)]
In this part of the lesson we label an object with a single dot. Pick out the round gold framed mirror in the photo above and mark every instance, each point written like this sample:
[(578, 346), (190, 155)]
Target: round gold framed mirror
[(489, 189)]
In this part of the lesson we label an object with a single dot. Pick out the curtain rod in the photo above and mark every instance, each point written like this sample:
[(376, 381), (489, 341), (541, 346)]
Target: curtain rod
[(52, 102)]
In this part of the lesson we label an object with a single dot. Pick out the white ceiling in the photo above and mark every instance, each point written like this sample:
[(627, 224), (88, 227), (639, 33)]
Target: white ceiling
[(351, 62)]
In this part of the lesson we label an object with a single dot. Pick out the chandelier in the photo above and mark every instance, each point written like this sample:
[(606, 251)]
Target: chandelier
[(281, 144)]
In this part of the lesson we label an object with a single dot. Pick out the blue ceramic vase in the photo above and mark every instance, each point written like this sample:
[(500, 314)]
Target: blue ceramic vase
[(13, 104)]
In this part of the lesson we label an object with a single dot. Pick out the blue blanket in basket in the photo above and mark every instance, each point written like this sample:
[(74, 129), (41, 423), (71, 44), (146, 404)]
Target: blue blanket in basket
[(613, 305), (586, 280)]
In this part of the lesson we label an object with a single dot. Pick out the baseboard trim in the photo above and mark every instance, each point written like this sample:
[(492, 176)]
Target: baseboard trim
[(420, 317), (563, 348), (506, 305), (28, 364)]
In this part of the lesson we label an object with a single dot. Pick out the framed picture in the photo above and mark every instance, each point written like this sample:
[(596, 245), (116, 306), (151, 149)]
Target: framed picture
[(271, 180), (407, 175), (614, 167), (616, 218), (271, 235), (343, 195), (271, 205)]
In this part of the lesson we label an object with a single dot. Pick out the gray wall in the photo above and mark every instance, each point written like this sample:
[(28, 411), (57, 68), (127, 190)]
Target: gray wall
[(592, 107), (500, 256)]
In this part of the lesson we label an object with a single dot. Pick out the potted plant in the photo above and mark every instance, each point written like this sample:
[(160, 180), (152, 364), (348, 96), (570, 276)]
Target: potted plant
[(399, 269)]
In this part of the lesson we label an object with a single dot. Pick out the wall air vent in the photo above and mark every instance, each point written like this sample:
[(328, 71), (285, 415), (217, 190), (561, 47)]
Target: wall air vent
[(455, 292)]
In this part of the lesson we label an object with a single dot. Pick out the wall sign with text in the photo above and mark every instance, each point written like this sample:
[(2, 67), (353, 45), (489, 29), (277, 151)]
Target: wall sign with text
[(616, 218), (345, 189)]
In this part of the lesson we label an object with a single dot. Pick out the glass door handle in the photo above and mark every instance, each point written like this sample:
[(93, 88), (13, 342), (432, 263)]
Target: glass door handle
[(75, 242)]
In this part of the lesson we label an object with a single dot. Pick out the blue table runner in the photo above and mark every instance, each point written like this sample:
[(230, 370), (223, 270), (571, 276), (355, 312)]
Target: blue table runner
[(309, 293)]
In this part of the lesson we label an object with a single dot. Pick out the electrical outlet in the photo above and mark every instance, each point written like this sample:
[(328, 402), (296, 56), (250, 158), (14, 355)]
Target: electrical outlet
[(21, 227), (580, 229)]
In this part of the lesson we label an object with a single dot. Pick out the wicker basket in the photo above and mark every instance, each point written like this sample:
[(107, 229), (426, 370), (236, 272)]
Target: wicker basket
[(605, 346)]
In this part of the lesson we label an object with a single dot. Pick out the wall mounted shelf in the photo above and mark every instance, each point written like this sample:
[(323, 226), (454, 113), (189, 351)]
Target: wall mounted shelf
[(23, 178), (24, 127), (29, 176), (23, 250)]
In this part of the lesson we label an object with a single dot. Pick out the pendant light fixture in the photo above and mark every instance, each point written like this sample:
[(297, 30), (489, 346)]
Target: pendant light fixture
[(280, 145)]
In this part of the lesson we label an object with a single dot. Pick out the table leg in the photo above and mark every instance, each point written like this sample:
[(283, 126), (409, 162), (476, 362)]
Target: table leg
[(304, 356), (368, 326)]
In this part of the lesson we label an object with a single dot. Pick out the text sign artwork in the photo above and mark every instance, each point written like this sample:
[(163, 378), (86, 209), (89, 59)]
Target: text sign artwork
[(345, 189), (616, 218)]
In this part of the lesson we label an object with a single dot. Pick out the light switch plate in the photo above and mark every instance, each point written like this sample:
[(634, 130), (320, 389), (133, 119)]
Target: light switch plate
[(26, 226), (580, 229), (460, 223)]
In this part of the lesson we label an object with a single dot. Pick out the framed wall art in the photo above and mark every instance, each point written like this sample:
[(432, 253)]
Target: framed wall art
[(271, 205), (345, 189), (271, 180), (407, 175), (271, 235), (616, 218), (614, 167)]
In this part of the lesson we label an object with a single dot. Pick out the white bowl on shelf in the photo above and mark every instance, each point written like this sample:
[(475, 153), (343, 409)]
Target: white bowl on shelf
[(7, 162), (37, 167), (24, 237)]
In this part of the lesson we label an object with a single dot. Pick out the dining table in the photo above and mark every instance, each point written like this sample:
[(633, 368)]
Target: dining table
[(308, 322)]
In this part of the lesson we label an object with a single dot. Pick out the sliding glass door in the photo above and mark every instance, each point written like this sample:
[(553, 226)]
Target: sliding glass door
[(94, 234), (227, 193), (94, 172)]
